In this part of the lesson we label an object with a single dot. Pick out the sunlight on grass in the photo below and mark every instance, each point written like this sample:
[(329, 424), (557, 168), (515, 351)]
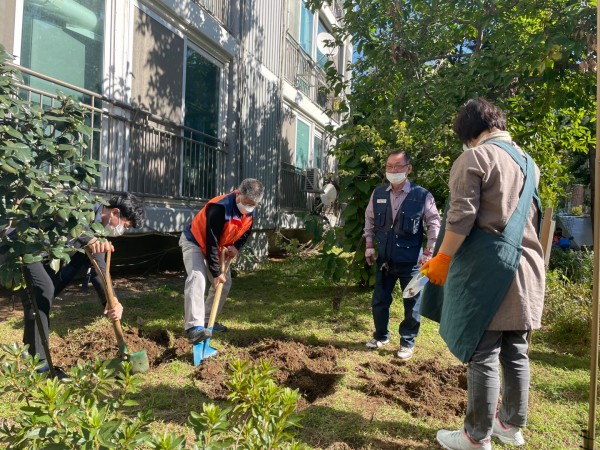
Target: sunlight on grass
[(291, 301)]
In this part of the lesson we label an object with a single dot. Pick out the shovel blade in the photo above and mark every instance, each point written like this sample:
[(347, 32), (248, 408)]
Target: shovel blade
[(203, 350), (138, 360)]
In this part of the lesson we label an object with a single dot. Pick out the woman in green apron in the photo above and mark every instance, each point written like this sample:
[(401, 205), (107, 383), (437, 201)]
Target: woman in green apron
[(487, 277)]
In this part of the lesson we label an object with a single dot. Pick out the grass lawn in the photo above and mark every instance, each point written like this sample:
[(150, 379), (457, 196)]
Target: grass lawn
[(289, 301)]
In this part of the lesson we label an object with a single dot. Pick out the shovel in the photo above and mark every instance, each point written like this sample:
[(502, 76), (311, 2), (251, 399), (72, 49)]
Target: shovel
[(203, 350), (139, 360), (415, 285)]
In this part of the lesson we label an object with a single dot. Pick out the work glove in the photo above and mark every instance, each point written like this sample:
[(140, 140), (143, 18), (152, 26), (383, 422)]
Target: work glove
[(437, 268), (370, 256)]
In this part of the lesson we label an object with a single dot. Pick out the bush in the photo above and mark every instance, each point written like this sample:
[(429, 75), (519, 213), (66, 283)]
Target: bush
[(577, 210), (85, 411), (262, 415), (88, 410), (568, 303), (567, 315), (45, 173), (572, 265)]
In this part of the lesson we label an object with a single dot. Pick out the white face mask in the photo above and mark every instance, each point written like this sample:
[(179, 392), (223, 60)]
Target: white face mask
[(113, 231), (245, 209), (466, 147), (395, 178)]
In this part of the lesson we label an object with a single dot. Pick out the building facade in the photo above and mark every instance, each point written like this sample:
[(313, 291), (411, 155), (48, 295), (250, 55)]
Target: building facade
[(190, 97)]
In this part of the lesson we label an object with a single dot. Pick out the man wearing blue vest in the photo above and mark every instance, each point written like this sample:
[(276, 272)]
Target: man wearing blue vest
[(395, 219)]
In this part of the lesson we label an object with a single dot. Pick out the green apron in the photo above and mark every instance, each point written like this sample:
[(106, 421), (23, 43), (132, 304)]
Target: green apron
[(480, 272)]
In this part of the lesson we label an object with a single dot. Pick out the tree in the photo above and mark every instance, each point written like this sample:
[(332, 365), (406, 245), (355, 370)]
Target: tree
[(44, 177), (418, 61)]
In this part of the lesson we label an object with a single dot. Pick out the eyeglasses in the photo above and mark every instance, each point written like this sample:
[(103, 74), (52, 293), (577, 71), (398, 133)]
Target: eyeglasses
[(389, 168)]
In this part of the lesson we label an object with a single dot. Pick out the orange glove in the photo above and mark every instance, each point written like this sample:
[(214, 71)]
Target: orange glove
[(437, 268)]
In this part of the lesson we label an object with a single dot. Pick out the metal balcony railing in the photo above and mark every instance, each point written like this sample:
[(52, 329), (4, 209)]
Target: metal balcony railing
[(337, 6), (218, 8), (156, 157), (292, 195), (302, 72)]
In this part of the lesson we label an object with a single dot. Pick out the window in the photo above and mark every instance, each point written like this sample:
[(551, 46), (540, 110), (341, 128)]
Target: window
[(305, 26), (202, 160), (202, 89), (302, 143), (321, 57), (306, 29), (318, 150), (64, 40)]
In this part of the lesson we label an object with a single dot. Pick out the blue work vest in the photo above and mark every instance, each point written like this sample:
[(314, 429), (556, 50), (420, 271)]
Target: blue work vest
[(399, 239)]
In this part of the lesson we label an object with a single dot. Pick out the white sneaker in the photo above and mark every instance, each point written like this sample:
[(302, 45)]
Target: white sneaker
[(458, 440), (374, 343), (405, 353), (507, 434)]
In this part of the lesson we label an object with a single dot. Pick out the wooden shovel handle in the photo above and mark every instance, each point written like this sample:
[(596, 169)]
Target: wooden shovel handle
[(109, 294), (219, 289)]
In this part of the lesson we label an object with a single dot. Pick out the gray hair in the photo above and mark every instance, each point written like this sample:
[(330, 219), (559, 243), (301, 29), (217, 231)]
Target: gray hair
[(252, 188)]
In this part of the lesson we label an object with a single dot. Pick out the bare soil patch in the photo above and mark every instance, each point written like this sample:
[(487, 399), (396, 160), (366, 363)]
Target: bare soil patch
[(424, 388), (314, 371)]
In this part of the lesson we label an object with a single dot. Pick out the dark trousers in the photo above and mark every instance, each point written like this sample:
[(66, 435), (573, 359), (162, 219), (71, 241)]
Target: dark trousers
[(385, 282), (45, 284)]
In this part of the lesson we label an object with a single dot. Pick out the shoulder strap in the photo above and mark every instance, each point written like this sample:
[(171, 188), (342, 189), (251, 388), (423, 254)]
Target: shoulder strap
[(516, 224)]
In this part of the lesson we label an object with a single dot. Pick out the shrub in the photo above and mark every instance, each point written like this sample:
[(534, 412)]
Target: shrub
[(575, 266), (88, 410), (261, 415), (45, 173), (85, 411), (577, 210), (567, 315)]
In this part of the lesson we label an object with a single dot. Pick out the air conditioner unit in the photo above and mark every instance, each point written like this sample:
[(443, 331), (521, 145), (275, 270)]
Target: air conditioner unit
[(313, 181)]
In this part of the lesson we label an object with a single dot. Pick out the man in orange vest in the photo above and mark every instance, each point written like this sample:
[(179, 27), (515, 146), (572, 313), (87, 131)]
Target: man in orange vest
[(225, 222)]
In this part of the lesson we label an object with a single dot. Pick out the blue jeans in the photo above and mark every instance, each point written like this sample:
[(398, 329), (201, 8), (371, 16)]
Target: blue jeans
[(382, 300), (497, 348)]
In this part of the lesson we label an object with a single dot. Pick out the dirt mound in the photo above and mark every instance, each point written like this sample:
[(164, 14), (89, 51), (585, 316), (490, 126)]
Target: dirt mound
[(424, 388), (99, 341), (314, 371)]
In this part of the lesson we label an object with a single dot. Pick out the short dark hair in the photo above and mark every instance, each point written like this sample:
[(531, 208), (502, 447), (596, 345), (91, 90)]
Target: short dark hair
[(477, 116), (131, 208), (399, 152)]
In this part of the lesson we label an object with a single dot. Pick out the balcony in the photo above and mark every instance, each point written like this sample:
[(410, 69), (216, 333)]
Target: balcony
[(337, 6), (217, 8), (292, 196), (145, 154), (302, 72)]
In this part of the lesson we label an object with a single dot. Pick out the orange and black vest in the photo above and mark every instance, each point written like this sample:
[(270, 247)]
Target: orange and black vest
[(235, 225)]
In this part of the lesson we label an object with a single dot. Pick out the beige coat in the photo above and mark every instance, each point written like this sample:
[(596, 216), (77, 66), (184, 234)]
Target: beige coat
[(485, 183)]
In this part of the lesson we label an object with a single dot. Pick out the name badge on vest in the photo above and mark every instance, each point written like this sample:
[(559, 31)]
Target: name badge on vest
[(382, 200)]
